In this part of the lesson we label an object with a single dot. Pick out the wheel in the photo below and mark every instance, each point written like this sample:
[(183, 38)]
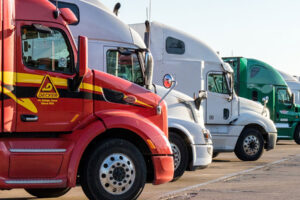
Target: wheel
[(181, 155), (249, 146), (215, 154), (115, 170), (47, 192), (297, 135)]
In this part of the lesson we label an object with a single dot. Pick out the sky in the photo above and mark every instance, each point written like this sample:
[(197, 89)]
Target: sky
[(268, 30)]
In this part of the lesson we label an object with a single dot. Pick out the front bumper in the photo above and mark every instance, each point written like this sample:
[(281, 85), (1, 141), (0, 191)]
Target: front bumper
[(202, 156), (163, 169), (271, 141)]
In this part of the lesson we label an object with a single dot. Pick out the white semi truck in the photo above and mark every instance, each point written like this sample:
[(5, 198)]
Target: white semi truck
[(293, 83), (236, 124), (116, 48)]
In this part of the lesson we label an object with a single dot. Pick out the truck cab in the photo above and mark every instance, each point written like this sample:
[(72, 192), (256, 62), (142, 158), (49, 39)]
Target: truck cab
[(236, 124), (257, 80), (123, 53), (64, 124), (293, 83)]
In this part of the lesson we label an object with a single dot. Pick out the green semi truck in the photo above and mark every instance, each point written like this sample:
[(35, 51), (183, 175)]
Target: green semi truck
[(258, 81)]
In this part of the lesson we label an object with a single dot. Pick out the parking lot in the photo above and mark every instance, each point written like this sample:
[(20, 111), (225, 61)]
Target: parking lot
[(275, 176)]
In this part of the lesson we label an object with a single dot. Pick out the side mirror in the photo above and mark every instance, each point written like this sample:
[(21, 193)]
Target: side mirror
[(198, 100), (265, 100), (149, 70), (82, 56), (168, 81), (82, 64), (293, 99)]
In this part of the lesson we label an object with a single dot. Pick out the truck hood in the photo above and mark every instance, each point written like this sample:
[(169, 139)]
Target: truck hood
[(181, 106), (248, 105)]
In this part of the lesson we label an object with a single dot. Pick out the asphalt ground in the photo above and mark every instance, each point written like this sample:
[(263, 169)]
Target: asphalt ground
[(275, 175)]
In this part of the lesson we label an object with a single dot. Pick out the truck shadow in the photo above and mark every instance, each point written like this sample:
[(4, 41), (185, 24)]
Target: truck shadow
[(224, 160), (18, 198)]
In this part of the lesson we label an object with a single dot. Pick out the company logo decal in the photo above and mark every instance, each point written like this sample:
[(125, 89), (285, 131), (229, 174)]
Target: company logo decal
[(47, 93), (284, 112)]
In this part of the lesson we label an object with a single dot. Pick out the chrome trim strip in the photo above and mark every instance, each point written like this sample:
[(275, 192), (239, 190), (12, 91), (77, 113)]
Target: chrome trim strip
[(37, 150), (283, 136), (282, 125), (33, 181)]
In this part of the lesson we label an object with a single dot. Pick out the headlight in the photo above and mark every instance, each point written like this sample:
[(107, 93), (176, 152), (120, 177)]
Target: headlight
[(206, 134)]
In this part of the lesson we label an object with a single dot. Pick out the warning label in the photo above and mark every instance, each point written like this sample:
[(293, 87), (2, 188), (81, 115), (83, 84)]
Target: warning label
[(47, 89)]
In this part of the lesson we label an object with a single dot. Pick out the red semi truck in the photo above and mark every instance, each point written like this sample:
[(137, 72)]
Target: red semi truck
[(62, 123)]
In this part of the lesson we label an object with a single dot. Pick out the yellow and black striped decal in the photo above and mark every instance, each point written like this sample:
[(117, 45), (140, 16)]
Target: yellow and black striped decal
[(48, 89)]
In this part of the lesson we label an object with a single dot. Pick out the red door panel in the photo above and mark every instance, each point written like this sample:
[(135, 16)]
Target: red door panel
[(42, 81)]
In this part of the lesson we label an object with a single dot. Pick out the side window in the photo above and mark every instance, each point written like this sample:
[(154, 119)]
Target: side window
[(124, 66), (46, 51), (175, 46), (217, 83), (254, 96), (283, 96), (72, 6)]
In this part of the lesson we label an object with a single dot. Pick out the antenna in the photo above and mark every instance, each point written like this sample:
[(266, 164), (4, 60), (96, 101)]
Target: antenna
[(116, 8), (149, 14), (148, 25), (56, 12), (147, 34)]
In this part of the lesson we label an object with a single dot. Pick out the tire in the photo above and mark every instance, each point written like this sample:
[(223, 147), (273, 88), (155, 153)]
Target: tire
[(215, 154), (115, 170), (181, 155), (250, 145), (297, 135), (47, 192)]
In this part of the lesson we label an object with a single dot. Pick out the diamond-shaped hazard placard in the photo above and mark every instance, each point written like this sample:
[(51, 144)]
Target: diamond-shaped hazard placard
[(47, 89)]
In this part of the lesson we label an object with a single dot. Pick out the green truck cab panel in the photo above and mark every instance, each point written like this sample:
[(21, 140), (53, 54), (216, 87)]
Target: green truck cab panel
[(255, 80)]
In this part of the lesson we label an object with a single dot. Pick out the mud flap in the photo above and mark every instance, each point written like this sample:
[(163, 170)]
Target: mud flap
[(271, 142)]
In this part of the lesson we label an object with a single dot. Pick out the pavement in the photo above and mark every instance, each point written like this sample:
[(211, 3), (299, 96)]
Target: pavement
[(275, 175)]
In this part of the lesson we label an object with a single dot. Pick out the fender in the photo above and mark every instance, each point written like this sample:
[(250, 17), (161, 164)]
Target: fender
[(181, 125), (139, 125), (82, 139), (251, 117)]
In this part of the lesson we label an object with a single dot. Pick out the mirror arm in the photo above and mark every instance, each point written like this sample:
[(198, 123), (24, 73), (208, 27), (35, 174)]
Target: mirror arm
[(173, 86), (158, 108)]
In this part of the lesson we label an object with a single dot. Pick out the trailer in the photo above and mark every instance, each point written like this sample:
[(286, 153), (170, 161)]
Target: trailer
[(236, 124)]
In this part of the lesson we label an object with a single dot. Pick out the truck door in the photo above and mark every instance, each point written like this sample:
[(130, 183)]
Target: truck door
[(284, 114), (45, 62), (218, 104)]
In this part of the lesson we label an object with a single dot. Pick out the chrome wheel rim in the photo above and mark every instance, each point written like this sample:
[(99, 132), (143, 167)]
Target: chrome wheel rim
[(251, 145), (117, 174), (176, 155)]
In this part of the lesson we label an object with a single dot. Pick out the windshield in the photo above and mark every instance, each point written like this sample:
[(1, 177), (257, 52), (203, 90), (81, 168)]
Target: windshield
[(125, 66)]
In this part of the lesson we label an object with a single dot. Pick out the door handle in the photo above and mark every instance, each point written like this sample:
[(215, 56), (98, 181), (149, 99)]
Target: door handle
[(225, 113), (29, 118)]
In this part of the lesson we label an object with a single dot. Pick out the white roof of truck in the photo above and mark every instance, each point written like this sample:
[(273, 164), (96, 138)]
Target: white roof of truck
[(287, 77), (195, 49), (97, 22)]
